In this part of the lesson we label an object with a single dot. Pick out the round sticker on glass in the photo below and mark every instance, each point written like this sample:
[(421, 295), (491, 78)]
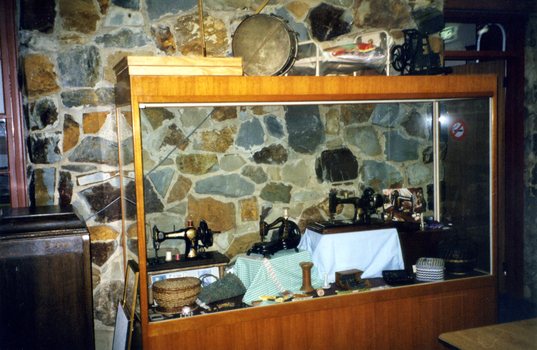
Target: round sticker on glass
[(458, 129)]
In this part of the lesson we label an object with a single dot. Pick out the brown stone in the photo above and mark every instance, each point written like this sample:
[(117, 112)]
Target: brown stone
[(39, 76), (164, 39), (103, 5), (180, 189), (102, 251), (173, 137), (224, 113), (249, 209), (389, 14), (92, 122), (197, 164), (310, 215), (188, 36), (219, 216), (298, 8), (218, 141), (240, 245), (79, 16), (156, 116), (102, 233), (71, 133), (359, 113), (42, 196)]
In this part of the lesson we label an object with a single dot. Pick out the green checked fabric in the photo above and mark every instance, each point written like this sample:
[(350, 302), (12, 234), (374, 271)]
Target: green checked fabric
[(272, 276)]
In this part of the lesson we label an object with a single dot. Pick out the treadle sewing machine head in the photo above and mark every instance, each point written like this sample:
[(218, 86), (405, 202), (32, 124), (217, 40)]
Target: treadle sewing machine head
[(364, 208), (288, 234), (196, 240)]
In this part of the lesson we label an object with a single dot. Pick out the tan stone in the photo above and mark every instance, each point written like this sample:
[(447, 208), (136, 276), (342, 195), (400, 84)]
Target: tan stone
[(80, 15), (39, 76), (102, 233), (219, 216), (241, 244), (298, 8), (132, 232), (188, 36), (332, 122), (249, 209), (218, 141), (180, 189), (114, 58), (92, 122), (164, 39), (224, 113), (274, 173), (197, 164), (71, 133)]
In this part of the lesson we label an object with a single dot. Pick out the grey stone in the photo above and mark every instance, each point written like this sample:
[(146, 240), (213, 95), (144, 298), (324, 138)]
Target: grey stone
[(124, 38), (301, 30), (419, 174), (231, 162), (296, 173), (336, 165), (44, 148), (305, 128), (88, 97), (250, 134), (365, 138), (159, 8), (45, 113), (380, 175), (80, 67), (307, 195), (273, 154), (128, 4), (94, 149), (65, 188), (276, 193), (161, 179), (105, 301), (79, 168), (386, 115), (273, 125), (127, 148), (416, 125), (232, 185), (256, 174), (119, 17), (399, 149)]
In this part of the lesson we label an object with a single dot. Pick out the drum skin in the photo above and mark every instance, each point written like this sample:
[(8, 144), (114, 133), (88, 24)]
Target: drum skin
[(267, 45)]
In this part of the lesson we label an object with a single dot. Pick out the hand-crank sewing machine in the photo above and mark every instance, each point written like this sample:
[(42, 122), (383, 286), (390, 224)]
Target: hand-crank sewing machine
[(364, 207), (195, 240), (288, 235)]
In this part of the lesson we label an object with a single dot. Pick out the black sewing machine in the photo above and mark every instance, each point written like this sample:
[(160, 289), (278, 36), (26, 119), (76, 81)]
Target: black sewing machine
[(194, 239), (364, 207), (288, 236)]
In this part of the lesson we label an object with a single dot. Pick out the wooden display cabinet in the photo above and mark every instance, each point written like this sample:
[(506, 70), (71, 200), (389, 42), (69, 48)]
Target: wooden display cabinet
[(409, 317)]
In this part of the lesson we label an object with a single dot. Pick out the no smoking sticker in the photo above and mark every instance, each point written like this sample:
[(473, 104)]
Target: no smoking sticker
[(458, 130)]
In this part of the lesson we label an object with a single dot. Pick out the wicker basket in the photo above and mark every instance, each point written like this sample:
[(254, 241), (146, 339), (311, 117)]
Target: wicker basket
[(176, 292)]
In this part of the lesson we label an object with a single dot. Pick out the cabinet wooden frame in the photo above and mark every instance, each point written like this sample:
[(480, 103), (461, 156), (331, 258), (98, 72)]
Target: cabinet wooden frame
[(140, 90)]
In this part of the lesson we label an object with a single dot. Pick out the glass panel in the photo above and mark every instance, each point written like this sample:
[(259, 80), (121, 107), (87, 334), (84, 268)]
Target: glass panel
[(5, 198), (128, 188), (466, 167), (2, 105), (4, 162)]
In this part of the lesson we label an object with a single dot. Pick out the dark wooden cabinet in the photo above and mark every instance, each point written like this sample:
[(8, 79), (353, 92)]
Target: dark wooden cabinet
[(45, 280)]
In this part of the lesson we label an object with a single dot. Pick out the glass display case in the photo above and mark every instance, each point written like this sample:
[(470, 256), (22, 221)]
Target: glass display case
[(219, 149)]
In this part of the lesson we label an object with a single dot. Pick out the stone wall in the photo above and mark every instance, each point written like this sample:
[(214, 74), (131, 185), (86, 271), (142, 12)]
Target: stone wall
[(530, 196), (67, 49)]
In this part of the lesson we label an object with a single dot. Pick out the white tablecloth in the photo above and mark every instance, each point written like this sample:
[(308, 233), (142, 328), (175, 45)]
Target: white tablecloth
[(370, 251)]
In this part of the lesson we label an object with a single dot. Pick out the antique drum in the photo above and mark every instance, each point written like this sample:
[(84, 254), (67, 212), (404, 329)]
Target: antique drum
[(267, 45)]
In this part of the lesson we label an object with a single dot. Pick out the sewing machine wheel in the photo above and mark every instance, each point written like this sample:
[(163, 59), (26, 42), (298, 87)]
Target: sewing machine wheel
[(205, 234), (293, 236)]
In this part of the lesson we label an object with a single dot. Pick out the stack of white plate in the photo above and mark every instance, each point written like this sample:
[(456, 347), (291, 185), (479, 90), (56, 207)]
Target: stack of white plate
[(430, 270)]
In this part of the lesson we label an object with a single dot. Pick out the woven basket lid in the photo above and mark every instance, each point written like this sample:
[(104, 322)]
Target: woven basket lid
[(177, 283)]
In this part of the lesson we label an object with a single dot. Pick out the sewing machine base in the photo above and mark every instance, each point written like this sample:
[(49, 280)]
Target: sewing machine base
[(269, 248), (341, 226)]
